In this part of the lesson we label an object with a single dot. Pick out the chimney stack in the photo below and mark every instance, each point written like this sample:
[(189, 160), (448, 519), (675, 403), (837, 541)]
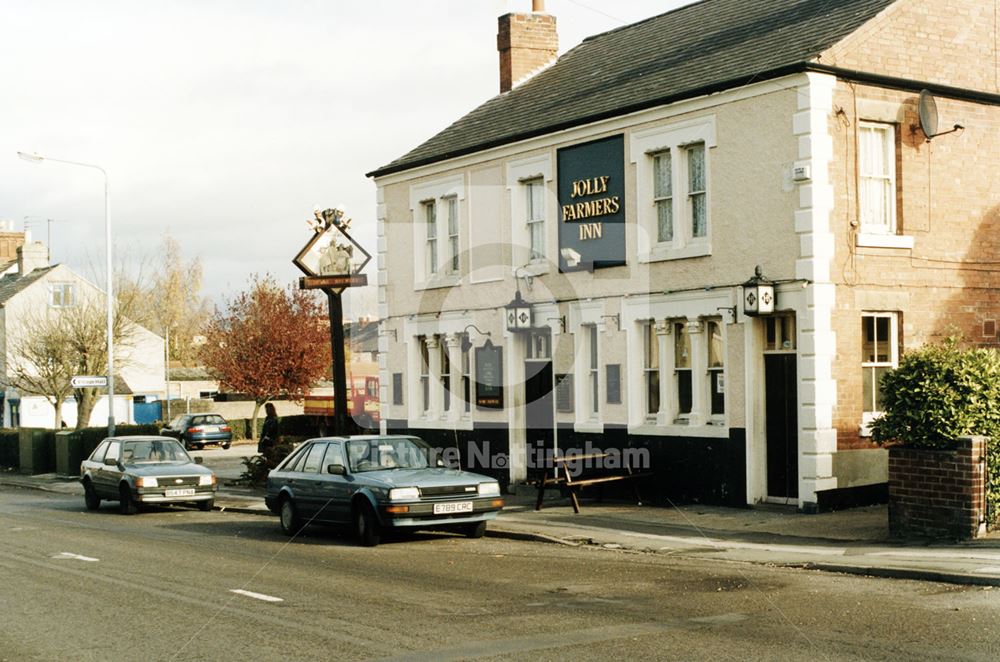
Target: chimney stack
[(31, 256), (526, 42)]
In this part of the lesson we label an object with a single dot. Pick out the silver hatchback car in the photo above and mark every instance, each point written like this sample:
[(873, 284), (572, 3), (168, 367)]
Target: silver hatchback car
[(136, 470)]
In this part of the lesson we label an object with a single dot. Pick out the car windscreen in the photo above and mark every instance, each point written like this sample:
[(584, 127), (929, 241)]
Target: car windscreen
[(380, 453), (151, 451)]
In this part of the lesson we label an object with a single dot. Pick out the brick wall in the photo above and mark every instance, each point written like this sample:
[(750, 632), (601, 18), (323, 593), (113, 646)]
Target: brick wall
[(953, 43), (937, 493), (949, 203), (526, 42)]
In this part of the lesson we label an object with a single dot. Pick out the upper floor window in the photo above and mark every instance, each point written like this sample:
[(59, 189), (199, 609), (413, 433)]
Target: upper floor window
[(430, 221), (453, 247), (879, 355), (663, 195), (437, 227), (877, 177), (696, 190), (63, 295), (673, 181), (535, 199)]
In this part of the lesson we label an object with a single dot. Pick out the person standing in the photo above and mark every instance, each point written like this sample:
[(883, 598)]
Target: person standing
[(269, 433)]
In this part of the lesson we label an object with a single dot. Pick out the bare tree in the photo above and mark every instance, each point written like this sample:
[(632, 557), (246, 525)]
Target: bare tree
[(180, 310), (40, 360), (268, 342)]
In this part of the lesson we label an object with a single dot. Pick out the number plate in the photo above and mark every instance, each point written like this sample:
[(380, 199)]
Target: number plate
[(211, 428), (180, 492), (449, 508)]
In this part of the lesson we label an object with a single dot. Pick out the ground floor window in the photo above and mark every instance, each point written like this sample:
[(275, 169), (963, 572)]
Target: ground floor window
[(879, 354)]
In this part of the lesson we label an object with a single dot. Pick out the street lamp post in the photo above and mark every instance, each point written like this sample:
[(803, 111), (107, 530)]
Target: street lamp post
[(35, 158)]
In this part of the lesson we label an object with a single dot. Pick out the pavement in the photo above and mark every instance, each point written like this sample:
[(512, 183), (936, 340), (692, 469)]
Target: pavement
[(854, 541)]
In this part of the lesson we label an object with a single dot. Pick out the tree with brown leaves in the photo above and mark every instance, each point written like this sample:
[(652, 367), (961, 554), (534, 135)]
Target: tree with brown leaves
[(268, 342)]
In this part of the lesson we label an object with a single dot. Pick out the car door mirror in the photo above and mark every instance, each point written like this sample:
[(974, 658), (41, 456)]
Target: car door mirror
[(198, 459), (111, 462), (336, 469)]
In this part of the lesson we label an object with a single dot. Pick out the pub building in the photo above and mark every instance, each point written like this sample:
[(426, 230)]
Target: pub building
[(705, 235)]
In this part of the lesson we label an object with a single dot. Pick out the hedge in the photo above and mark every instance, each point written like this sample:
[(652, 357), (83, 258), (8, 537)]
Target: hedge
[(940, 393), (10, 454)]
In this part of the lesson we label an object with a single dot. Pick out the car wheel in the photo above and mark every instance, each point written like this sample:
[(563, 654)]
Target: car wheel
[(225, 446), (477, 530), (126, 502), (199, 447), (366, 526), (290, 522), (205, 506), (90, 496)]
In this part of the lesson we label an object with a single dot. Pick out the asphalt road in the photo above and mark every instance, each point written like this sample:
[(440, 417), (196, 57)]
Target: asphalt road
[(160, 586)]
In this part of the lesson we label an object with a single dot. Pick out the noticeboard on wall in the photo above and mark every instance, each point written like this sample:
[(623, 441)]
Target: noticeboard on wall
[(489, 376), (592, 205)]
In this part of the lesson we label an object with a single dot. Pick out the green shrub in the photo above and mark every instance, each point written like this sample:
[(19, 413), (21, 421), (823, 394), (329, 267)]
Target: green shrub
[(257, 466), (942, 392), (939, 393)]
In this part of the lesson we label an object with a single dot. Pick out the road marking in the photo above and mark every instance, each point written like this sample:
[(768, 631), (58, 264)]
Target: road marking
[(77, 557), (256, 596)]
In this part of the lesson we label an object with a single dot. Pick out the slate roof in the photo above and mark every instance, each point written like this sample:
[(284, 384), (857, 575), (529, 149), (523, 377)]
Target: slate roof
[(12, 284), (704, 47)]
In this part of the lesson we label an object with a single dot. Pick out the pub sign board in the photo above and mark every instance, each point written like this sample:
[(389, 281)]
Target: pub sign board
[(489, 376), (592, 204)]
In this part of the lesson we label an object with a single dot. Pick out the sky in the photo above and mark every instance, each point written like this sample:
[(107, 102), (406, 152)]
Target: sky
[(223, 123)]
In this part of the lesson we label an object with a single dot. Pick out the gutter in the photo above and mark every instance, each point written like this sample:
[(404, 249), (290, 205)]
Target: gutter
[(877, 80)]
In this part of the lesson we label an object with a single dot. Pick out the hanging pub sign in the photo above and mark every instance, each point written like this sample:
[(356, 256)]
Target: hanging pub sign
[(331, 259), (489, 376), (592, 205)]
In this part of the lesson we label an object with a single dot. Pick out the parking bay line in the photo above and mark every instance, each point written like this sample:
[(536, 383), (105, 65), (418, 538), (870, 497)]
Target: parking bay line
[(256, 596), (76, 557)]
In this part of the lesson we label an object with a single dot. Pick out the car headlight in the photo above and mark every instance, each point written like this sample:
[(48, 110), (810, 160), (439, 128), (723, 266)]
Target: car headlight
[(146, 482), (489, 489), (206, 480), (404, 494)]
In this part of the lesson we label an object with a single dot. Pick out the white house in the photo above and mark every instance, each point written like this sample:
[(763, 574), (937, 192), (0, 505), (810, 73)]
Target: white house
[(35, 288)]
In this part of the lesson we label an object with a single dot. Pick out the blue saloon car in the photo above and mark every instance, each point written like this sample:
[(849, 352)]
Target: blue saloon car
[(376, 483)]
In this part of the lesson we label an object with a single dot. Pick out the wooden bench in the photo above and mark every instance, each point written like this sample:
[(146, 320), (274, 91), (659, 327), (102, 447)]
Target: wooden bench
[(559, 475)]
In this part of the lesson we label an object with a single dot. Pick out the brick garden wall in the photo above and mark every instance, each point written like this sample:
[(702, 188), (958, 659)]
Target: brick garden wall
[(937, 493)]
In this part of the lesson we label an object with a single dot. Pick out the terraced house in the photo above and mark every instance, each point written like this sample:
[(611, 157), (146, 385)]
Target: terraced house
[(713, 231)]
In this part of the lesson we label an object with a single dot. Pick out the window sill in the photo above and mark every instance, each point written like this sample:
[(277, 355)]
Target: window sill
[(589, 426), (665, 253), (873, 240), (443, 280), (707, 431)]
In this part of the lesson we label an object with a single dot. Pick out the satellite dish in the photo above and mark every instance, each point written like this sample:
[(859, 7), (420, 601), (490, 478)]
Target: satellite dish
[(928, 114)]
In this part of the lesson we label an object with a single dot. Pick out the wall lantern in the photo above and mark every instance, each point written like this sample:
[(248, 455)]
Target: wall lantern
[(758, 295), (518, 314)]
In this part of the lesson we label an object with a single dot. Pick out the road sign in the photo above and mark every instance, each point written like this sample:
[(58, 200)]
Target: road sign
[(340, 280), (84, 381)]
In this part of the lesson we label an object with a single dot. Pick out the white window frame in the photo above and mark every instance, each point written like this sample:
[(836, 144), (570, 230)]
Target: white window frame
[(535, 218), (431, 258), (520, 174), (454, 251), (434, 267), (424, 362), (651, 343), (868, 367), (678, 139), (58, 292), (593, 376), (720, 370), (886, 225)]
